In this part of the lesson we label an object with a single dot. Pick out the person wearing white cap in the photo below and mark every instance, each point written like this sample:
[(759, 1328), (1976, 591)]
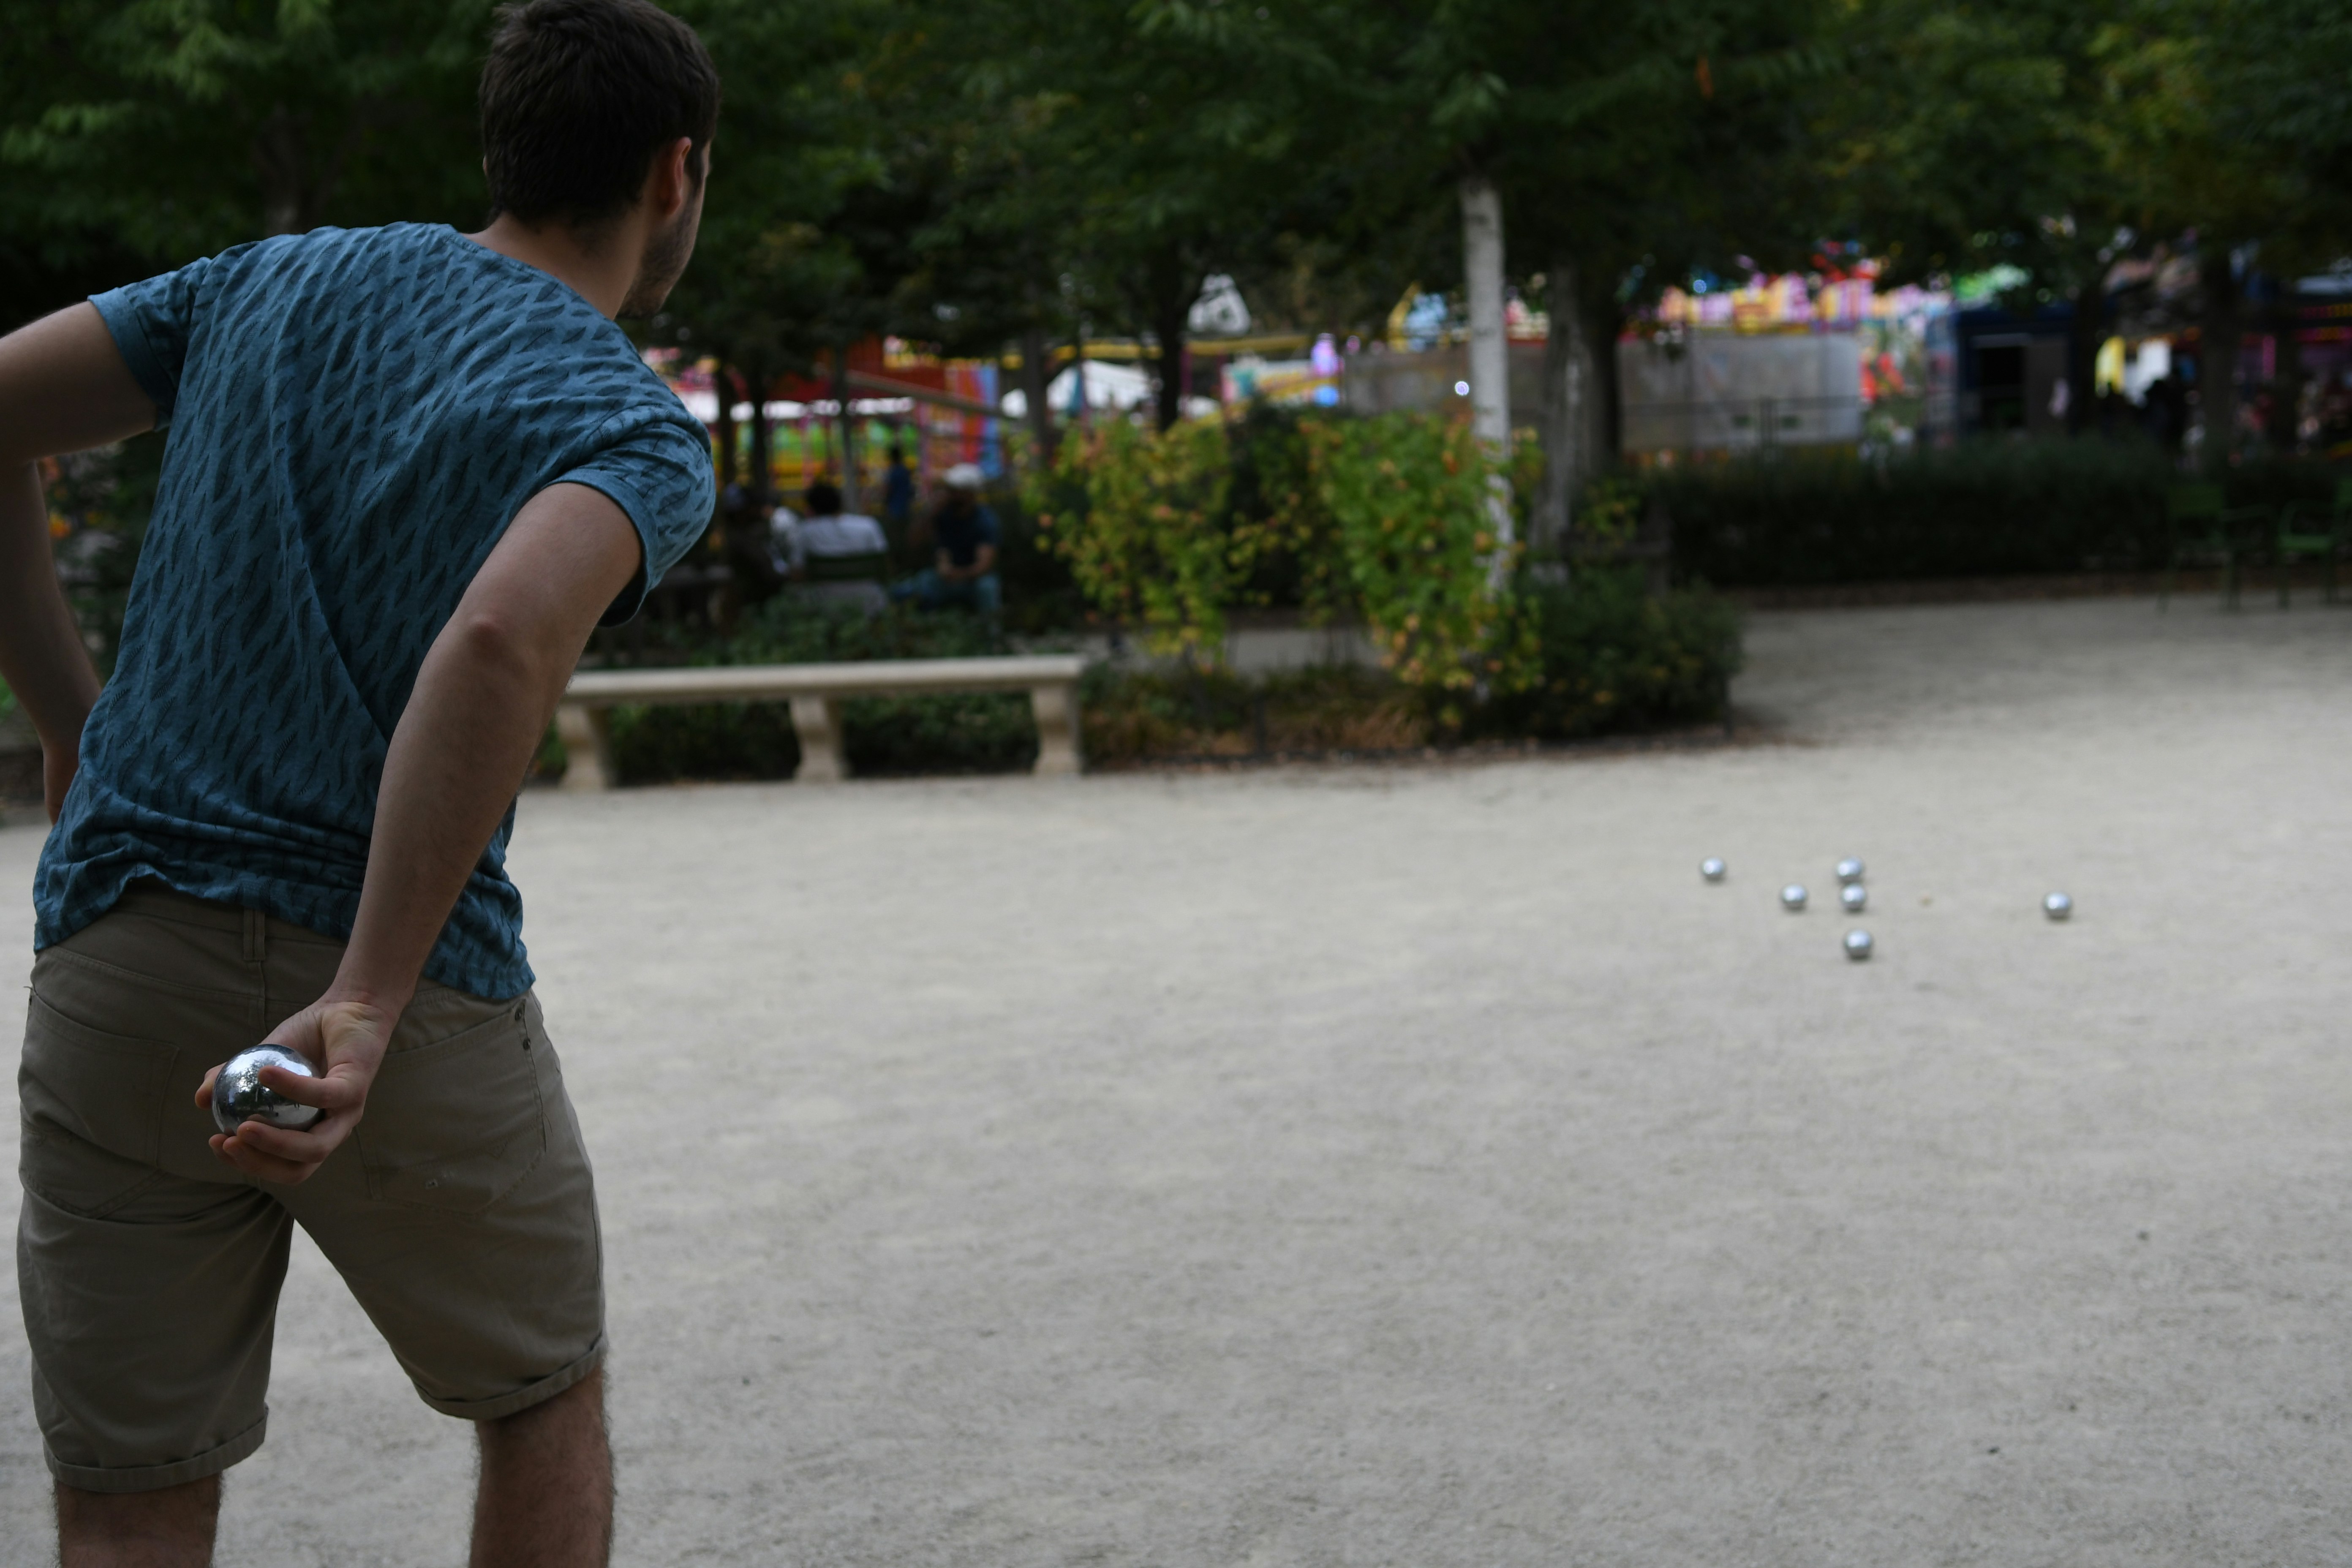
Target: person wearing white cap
[(964, 535)]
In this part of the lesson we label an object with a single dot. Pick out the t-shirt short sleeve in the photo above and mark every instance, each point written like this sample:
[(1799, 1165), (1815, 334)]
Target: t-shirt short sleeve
[(656, 469), (151, 321)]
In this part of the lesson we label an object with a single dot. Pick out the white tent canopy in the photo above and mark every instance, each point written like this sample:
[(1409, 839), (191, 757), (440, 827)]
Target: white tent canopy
[(1110, 387), (1116, 387)]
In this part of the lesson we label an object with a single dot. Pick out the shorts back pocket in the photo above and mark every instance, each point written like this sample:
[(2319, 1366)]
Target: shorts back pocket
[(454, 1124), (92, 1104)]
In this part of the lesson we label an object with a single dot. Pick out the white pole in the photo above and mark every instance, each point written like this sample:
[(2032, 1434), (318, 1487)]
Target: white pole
[(1482, 268), (1490, 365)]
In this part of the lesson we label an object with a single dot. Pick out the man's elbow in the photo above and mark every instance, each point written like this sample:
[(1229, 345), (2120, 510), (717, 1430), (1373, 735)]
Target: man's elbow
[(496, 646)]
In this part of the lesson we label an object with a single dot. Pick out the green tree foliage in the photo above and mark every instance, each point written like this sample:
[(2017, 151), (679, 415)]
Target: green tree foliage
[(140, 135)]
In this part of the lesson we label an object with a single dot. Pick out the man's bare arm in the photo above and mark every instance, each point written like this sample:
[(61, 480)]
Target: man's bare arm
[(63, 388), (482, 701)]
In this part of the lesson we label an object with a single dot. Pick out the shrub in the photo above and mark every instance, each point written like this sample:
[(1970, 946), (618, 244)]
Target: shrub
[(991, 732), (1134, 716), (1611, 659), (1386, 521), (1981, 508), (1142, 520), (1409, 501), (1615, 659)]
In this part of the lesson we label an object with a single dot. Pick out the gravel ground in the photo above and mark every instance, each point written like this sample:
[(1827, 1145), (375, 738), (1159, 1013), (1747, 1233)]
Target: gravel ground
[(1421, 1165)]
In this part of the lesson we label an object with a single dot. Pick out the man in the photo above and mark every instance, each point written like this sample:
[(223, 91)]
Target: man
[(828, 532), (836, 557), (964, 536), (409, 471)]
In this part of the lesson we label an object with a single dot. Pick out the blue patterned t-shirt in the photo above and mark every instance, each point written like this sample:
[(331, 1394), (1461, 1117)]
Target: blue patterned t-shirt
[(354, 418)]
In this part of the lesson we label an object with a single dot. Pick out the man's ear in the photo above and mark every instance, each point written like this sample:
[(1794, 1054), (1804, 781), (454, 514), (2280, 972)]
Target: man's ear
[(671, 189)]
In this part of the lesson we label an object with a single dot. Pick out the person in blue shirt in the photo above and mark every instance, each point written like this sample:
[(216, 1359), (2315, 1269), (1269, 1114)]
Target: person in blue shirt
[(408, 471), (897, 490), (964, 536)]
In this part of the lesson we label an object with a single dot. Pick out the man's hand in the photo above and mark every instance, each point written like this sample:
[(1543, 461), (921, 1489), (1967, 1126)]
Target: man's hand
[(345, 1040)]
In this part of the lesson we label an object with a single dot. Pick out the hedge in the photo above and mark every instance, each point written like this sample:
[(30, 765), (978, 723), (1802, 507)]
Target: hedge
[(1982, 509)]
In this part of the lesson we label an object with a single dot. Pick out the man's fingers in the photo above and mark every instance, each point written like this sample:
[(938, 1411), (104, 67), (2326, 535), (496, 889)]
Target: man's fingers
[(336, 1092), (253, 1162), (204, 1090), (310, 1146)]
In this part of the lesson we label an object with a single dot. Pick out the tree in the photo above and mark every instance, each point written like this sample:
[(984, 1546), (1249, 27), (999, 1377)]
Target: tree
[(147, 135), (1573, 140)]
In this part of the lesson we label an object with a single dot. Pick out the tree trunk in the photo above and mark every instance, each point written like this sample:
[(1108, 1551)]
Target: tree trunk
[(851, 499), (2083, 335), (277, 156), (1482, 271), (722, 382), (1607, 420), (763, 477), (2217, 369), (1035, 375), (1168, 288), (750, 556), (2287, 385), (1562, 433), (1168, 327)]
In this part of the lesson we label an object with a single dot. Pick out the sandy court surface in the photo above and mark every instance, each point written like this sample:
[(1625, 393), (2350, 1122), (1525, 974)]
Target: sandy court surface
[(1420, 1165)]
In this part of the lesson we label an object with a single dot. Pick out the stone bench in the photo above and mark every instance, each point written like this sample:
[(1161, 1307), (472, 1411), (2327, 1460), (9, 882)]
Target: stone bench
[(815, 692)]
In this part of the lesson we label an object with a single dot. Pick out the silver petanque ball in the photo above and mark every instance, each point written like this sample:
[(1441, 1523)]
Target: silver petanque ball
[(1849, 870), (2057, 906), (239, 1095), (1854, 895), (1793, 897), (1857, 945), (1711, 869)]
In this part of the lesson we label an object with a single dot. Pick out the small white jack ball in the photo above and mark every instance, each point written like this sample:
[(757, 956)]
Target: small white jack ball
[(1711, 869), (2057, 906), (1854, 895), (1793, 897), (1849, 870), (1857, 945)]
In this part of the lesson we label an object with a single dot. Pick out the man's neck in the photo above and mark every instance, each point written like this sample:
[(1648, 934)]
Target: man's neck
[(601, 274)]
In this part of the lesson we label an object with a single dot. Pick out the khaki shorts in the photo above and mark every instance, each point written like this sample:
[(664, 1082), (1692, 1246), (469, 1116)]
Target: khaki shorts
[(461, 1211)]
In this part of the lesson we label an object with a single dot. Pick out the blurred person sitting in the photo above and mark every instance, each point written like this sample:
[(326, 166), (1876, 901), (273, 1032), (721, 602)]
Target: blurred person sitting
[(964, 536), (835, 556)]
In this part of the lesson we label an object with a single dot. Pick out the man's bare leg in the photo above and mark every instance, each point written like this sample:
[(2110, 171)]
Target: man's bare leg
[(546, 1499), (170, 1528)]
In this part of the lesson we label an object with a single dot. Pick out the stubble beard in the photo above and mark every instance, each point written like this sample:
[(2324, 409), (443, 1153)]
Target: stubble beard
[(667, 254)]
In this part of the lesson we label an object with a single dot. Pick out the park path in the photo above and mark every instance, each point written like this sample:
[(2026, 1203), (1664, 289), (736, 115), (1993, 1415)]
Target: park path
[(1419, 1165)]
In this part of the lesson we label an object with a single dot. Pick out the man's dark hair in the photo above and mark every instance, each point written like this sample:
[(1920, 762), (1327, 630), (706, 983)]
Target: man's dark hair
[(579, 95), (823, 498)]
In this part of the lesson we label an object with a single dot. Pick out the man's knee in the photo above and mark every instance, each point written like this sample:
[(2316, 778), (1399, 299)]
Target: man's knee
[(170, 1527), (561, 1421)]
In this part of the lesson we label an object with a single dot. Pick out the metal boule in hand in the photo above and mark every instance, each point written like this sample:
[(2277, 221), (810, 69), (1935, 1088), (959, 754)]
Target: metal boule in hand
[(239, 1096)]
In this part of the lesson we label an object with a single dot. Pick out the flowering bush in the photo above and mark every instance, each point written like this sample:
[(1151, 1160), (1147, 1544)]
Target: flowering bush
[(1143, 522), (1411, 502), (1389, 521)]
